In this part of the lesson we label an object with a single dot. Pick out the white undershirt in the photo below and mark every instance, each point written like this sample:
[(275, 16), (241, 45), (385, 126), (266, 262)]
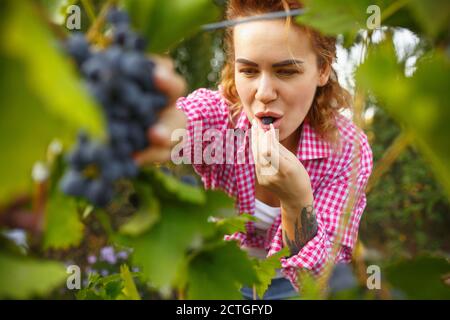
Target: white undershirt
[(265, 216)]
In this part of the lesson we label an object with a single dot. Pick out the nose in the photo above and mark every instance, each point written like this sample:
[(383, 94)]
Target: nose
[(266, 91)]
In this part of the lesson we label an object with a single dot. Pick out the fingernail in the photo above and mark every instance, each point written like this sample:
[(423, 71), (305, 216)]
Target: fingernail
[(161, 131), (254, 123), (161, 72)]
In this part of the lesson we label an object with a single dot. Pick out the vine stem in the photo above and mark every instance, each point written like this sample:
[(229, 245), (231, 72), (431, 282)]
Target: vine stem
[(87, 4), (393, 8), (395, 149), (94, 33), (353, 192)]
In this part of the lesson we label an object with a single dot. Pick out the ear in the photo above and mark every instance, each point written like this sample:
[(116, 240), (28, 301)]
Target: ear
[(324, 75)]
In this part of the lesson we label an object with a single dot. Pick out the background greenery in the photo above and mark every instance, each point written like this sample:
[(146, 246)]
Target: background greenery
[(163, 246)]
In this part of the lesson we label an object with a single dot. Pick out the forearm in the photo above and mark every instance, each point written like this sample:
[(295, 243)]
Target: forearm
[(299, 223)]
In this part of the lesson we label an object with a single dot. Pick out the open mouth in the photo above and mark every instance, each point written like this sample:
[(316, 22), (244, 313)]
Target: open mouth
[(266, 118)]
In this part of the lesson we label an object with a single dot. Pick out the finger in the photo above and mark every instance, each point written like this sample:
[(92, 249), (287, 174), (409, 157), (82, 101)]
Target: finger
[(152, 155), (168, 120), (264, 147), (274, 143), (254, 133), (167, 80)]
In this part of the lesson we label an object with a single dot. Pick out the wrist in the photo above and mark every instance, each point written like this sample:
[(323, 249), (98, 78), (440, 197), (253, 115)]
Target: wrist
[(293, 208)]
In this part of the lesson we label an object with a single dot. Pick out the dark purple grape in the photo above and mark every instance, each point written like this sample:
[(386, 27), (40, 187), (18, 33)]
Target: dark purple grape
[(75, 159), (96, 153), (118, 130), (137, 136), (130, 168), (99, 192), (136, 43), (113, 171), (122, 149), (147, 107), (73, 183), (100, 92), (117, 17), (121, 34), (78, 47), (113, 55), (120, 78), (138, 68), (97, 70), (267, 120), (128, 93), (159, 102)]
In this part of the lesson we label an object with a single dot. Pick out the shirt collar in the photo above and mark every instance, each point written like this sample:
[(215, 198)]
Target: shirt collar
[(311, 146)]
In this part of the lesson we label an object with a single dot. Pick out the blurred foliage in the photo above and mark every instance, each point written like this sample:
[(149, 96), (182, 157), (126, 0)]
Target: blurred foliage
[(407, 210), (421, 278), (171, 231)]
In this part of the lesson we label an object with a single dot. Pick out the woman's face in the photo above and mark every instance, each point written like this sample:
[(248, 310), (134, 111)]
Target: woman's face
[(276, 82)]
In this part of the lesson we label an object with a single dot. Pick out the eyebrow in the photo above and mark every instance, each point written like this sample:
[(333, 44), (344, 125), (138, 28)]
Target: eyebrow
[(275, 65)]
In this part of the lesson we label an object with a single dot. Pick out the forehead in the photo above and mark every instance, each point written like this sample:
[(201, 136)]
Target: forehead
[(271, 39)]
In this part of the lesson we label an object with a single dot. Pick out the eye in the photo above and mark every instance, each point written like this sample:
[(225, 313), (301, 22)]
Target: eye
[(287, 72), (248, 71)]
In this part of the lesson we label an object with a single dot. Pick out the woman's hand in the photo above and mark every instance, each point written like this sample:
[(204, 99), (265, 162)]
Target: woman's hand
[(174, 86), (279, 170)]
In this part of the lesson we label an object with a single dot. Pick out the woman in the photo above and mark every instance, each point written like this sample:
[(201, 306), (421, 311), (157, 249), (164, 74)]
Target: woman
[(277, 81)]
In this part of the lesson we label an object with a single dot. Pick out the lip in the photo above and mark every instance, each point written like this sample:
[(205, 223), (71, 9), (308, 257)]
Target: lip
[(265, 127)]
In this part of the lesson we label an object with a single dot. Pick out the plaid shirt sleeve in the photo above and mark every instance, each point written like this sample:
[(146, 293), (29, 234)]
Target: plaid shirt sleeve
[(205, 109), (330, 201)]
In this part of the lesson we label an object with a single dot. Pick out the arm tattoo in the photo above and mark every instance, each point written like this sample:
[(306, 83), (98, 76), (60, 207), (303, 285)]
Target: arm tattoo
[(305, 229)]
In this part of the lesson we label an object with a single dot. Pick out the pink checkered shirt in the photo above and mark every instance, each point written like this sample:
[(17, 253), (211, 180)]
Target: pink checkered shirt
[(329, 170)]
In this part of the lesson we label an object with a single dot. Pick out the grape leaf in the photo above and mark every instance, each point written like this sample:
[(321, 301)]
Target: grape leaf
[(170, 188), (63, 227), (266, 270), (419, 102), (160, 251), (219, 273), (40, 97), (129, 288), (147, 214), (164, 23), (22, 278), (421, 277)]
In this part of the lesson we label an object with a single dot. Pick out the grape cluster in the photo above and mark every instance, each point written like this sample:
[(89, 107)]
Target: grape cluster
[(120, 78)]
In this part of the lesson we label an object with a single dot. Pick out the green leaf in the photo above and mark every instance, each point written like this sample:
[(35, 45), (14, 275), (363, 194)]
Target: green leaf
[(161, 250), (432, 15), (129, 288), (165, 23), (171, 188), (113, 289), (220, 203), (419, 103), (147, 214), (23, 278), (309, 286), (63, 227), (40, 97), (266, 270), (219, 273), (336, 17), (421, 277), (235, 224)]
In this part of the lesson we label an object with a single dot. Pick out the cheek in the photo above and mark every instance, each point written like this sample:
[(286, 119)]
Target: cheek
[(245, 92)]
